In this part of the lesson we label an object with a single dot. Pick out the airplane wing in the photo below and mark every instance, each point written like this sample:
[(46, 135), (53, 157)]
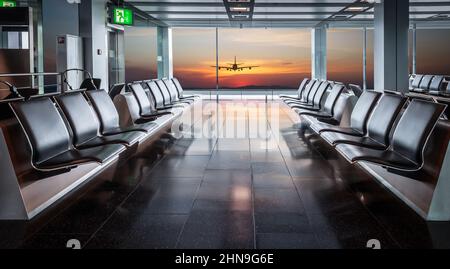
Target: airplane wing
[(248, 67), (221, 67)]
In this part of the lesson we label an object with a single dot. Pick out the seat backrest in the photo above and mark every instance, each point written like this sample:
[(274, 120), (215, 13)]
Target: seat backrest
[(172, 89), (178, 87), (156, 94), (80, 116), (313, 91), (414, 128), (320, 93), (302, 87), (308, 88), (44, 127), (356, 89), (337, 89), (383, 117), (362, 110), (436, 83), (164, 91), (425, 83), (116, 89), (105, 109), (416, 81), (142, 99)]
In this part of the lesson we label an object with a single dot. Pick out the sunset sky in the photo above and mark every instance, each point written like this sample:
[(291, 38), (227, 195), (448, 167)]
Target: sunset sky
[(282, 54)]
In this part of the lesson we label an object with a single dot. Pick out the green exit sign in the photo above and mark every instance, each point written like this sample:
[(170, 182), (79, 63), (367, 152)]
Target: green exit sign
[(123, 16), (7, 3)]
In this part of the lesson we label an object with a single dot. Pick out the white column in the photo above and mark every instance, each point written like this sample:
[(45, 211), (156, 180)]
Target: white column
[(391, 45), (165, 59), (319, 53), (94, 33), (414, 49)]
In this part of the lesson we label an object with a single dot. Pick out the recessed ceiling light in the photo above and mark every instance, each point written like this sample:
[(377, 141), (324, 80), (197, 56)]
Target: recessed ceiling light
[(240, 16), (355, 9), (238, 1), (340, 17), (239, 9)]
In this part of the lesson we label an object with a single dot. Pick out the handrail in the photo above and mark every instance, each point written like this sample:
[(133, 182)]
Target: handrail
[(12, 89), (64, 77), (28, 74)]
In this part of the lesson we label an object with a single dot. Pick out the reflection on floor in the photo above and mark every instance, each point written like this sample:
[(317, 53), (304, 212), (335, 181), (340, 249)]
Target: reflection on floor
[(241, 177)]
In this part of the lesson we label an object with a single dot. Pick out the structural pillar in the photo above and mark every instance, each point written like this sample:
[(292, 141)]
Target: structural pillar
[(319, 53), (165, 59), (414, 49), (93, 30), (391, 45)]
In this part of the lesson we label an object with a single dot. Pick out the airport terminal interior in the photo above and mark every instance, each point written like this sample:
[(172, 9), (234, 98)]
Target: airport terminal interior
[(224, 124)]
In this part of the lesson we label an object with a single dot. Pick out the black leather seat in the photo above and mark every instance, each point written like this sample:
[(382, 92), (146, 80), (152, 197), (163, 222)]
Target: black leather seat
[(356, 89), (378, 127), (158, 98), (308, 94), (174, 93), (416, 82), (424, 84), (317, 100), (85, 126), (116, 89), (170, 98), (147, 111), (180, 90), (50, 140), (409, 139), (109, 117), (436, 85), (358, 119), (300, 90), (328, 107)]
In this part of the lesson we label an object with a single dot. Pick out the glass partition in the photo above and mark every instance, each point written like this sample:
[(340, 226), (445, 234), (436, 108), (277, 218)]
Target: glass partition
[(263, 59), (194, 55), (433, 51), (140, 53)]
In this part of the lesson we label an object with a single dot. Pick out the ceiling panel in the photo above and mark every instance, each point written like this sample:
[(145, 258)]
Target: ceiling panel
[(281, 13)]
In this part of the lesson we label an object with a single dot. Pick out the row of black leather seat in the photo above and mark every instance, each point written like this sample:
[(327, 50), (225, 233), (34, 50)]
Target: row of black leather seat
[(318, 99), (163, 93), (76, 127), (430, 84), (381, 130)]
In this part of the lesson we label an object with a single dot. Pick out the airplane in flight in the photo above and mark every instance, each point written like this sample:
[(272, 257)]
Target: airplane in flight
[(236, 66)]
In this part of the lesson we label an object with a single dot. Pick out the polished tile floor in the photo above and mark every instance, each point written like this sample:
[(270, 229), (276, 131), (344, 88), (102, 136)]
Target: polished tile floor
[(244, 176)]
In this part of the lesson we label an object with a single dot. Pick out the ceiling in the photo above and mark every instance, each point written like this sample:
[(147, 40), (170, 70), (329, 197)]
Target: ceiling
[(282, 13)]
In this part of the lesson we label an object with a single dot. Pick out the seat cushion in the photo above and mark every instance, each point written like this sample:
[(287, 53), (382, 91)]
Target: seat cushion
[(334, 138), (127, 139), (76, 157), (145, 127), (317, 114), (324, 127), (383, 157)]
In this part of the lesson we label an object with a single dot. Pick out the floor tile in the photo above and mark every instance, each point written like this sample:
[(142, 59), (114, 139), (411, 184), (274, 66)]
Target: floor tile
[(218, 230), (286, 241), (277, 201), (164, 196), (181, 166), (139, 231), (230, 160)]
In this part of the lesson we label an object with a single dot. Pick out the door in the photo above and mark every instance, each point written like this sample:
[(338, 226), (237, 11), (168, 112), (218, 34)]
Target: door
[(116, 59)]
